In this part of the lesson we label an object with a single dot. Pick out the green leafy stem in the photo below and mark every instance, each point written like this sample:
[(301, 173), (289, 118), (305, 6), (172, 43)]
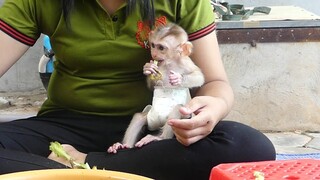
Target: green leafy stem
[(58, 150)]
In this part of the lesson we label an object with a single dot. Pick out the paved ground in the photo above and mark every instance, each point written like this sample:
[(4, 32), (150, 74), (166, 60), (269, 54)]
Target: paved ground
[(13, 105), (295, 142)]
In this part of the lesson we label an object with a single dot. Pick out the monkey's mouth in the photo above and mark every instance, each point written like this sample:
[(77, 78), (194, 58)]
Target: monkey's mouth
[(159, 61)]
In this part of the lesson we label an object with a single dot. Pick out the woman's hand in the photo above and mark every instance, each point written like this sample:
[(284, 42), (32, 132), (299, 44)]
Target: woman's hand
[(207, 114)]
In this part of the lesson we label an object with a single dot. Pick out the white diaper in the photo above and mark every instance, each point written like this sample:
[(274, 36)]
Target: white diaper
[(165, 100)]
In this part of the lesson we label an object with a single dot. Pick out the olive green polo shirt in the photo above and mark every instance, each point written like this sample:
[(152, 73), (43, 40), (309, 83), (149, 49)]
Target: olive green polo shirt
[(99, 58)]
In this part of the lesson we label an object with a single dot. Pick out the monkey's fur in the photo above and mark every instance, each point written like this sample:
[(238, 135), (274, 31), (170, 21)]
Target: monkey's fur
[(173, 71)]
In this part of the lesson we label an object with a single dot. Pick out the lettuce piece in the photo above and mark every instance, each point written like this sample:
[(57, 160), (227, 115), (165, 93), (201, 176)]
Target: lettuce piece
[(58, 150)]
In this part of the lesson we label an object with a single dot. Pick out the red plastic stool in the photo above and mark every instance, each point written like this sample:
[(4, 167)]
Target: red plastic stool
[(299, 169)]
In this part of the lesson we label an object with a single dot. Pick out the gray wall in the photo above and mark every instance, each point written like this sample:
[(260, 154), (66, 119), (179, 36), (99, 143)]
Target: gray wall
[(23, 76), (276, 85)]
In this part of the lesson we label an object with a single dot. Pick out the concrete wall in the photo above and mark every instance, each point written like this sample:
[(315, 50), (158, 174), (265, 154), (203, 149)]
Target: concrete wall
[(276, 85), (23, 76)]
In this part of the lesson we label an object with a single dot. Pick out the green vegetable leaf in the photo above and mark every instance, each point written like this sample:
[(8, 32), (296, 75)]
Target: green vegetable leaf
[(56, 148), (80, 165)]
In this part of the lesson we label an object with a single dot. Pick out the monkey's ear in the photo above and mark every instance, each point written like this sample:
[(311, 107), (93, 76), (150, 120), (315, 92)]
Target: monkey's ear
[(186, 48)]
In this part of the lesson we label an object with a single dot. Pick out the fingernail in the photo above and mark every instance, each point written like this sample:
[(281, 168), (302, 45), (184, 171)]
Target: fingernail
[(186, 109)]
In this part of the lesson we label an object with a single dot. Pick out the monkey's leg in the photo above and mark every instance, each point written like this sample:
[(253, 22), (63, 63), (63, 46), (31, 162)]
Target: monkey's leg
[(167, 132), (147, 139), (133, 131)]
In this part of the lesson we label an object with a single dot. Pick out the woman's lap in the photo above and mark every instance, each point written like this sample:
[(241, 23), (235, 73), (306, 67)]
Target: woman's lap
[(229, 142), (168, 159), (15, 161), (86, 133)]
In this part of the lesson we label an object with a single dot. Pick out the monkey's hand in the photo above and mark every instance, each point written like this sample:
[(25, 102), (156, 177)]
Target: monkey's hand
[(117, 146), (175, 78), (151, 69)]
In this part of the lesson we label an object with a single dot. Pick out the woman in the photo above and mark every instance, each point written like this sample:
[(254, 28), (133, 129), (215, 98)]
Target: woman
[(101, 47)]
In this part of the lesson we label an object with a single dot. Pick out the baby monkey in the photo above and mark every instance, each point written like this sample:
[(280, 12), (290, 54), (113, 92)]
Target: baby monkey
[(170, 75)]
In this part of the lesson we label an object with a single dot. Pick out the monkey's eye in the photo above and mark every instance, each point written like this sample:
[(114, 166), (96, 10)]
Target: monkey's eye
[(161, 48), (152, 45)]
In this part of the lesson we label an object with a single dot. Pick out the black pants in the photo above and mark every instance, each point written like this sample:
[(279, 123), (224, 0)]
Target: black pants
[(24, 146)]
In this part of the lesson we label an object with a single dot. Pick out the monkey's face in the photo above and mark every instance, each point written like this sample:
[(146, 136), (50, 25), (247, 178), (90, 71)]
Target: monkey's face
[(158, 51), (164, 49)]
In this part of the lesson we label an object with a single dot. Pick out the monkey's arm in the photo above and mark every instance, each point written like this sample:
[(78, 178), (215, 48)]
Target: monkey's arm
[(193, 77)]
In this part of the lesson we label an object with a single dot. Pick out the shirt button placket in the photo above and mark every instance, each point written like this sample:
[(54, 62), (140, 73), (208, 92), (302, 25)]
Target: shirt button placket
[(109, 28), (115, 18)]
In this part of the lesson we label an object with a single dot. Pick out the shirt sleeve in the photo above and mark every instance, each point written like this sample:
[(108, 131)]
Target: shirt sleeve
[(197, 18), (18, 20)]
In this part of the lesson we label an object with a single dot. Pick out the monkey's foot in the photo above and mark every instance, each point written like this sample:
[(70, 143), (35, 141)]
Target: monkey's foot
[(117, 146), (147, 139)]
